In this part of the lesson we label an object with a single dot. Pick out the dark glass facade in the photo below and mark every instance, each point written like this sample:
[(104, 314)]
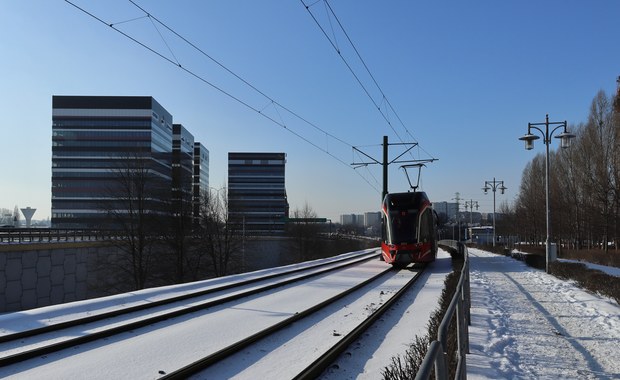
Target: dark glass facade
[(200, 177), (96, 140), (257, 193), (182, 169)]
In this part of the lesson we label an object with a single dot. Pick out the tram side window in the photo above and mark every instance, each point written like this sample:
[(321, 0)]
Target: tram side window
[(426, 226)]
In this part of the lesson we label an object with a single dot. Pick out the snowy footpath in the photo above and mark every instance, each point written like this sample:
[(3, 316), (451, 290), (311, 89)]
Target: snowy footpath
[(530, 325)]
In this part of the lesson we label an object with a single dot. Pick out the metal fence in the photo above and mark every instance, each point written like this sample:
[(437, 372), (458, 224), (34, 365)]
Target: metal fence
[(460, 305), (46, 235)]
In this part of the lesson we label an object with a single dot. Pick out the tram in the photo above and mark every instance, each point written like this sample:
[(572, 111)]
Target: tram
[(409, 229)]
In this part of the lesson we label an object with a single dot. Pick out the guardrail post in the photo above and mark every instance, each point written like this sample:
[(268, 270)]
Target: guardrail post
[(460, 304), (436, 358)]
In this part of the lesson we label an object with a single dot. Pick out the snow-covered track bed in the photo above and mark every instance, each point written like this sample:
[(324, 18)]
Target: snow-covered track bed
[(303, 345), (30, 335)]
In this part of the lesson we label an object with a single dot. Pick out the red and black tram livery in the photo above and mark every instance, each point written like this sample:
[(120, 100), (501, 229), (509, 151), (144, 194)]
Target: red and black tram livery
[(409, 229)]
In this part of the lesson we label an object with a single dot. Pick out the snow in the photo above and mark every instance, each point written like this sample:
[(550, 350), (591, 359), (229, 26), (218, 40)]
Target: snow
[(527, 324), (399, 326), (612, 271), (174, 343), (49, 315)]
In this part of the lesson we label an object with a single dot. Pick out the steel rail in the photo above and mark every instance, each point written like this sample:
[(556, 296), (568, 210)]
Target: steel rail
[(149, 305), (211, 359), (47, 349), (320, 365)]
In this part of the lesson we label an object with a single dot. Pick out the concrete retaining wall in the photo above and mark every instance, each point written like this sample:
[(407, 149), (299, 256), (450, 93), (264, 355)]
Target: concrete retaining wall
[(35, 278), (32, 277), (36, 275)]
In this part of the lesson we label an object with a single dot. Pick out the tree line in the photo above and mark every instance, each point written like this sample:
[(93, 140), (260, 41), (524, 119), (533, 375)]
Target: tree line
[(584, 186), (162, 241)]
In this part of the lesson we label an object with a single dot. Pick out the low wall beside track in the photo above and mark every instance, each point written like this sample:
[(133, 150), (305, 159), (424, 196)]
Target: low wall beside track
[(41, 274), (46, 276)]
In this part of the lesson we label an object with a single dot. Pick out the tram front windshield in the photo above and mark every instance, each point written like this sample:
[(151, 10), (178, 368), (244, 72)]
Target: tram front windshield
[(403, 226)]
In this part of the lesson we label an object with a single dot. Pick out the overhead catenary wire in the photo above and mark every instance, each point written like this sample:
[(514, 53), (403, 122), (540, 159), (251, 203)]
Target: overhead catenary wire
[(359, 81), (357, 78), (178, 64), (205, 54)]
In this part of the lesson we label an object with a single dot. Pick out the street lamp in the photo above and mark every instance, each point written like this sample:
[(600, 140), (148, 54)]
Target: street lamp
[(529, 139), (471, 203), (494, 185)]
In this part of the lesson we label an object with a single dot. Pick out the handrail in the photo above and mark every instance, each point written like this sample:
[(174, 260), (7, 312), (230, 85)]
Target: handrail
[(460, 304), (38, 235)]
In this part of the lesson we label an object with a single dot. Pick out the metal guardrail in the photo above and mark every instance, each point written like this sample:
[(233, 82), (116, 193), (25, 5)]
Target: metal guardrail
[(41, 235), (436, 355)]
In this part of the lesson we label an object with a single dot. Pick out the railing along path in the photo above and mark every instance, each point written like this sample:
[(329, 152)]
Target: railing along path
[(437, 355)]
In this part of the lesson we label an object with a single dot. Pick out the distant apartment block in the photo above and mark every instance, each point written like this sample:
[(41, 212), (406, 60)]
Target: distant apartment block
[(448, 208), (96, 138), (352, 220), (372, 219), (257, 193)]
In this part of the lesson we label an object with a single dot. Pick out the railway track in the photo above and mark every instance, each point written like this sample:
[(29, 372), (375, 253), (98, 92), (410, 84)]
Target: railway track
[(298, 349), (32, 351)]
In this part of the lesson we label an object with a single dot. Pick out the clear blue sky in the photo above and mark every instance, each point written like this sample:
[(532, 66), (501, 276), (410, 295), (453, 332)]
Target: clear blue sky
[(465, 77)]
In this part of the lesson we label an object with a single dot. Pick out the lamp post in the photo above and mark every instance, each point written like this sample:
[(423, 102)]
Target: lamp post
[(529, 138), (471, 203), (494, 185)]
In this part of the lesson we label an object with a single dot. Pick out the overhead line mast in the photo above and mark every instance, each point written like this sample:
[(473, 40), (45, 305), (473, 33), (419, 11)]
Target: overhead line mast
[(386, 162)]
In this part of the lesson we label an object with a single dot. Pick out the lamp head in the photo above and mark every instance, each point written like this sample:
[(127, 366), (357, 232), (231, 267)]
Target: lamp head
[(502, 188), (565, 138), (529, 140)]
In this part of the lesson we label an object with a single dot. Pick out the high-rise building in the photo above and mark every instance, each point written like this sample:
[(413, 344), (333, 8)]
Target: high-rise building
[(352, 220), (257, 193), (98, 142), (182, 171), (449, 209), (372, 219), (201, 176)]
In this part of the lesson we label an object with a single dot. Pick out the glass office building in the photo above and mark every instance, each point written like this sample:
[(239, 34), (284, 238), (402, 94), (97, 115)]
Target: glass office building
[(182, 169), (201, 177), (98, 141), (257, 193)]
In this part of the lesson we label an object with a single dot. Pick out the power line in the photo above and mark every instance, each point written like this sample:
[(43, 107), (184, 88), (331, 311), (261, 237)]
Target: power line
[(176, 63), (201, 51), (384, 97)]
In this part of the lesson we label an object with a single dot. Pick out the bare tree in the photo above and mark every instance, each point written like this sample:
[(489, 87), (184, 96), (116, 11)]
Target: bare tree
[(530, 204), (304, 231), (584, 181), (16, 217), (219, 237), (599, 137), (134, 205), (569, 193), (6, 217), (178, 224)]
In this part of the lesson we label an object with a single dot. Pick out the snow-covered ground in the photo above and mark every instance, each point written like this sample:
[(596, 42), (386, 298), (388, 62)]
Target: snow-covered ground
[(152, 351), (398, 328), (612, 271), (527, 324)]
